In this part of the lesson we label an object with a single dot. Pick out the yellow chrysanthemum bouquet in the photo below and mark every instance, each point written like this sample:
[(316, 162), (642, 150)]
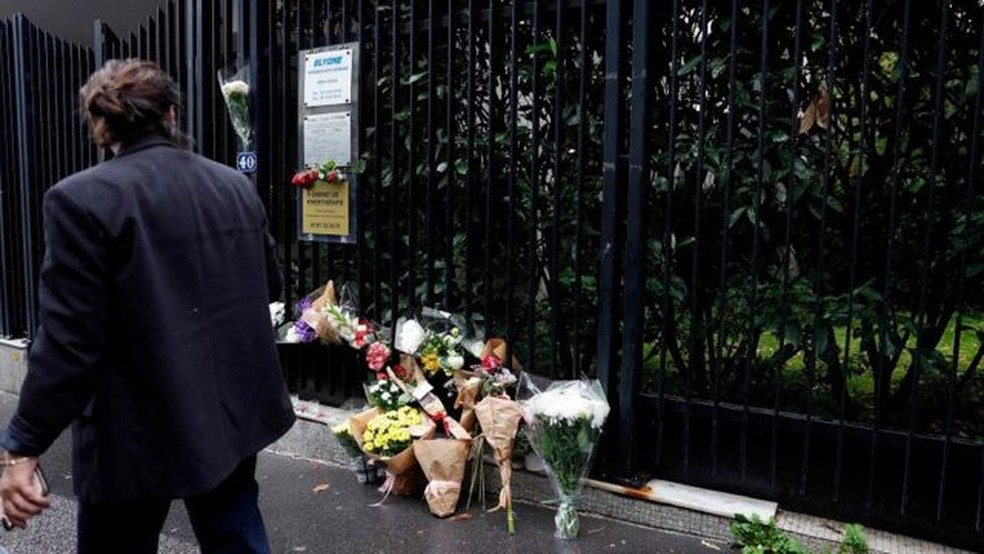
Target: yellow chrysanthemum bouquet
[(389, 434), (388, 437)]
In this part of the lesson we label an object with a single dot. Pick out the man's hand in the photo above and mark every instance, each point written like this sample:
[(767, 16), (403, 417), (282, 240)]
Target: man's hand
[(20, 494)]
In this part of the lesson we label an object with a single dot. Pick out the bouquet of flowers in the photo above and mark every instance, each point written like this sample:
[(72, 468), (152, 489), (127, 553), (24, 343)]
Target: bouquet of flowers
[(386, 395), (366, 470), (310, 323), (388, 437), (437, 343), (327, 172), (343, 434), (500, 417), (487, 378), (443, 462), (564, 425), (389, 434), (234, 84)]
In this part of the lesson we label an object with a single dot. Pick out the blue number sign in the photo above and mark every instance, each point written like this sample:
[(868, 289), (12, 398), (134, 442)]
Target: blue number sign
[(246, 162)]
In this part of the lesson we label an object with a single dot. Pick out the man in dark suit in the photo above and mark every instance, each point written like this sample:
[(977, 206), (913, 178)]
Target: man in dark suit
[(155, 336)]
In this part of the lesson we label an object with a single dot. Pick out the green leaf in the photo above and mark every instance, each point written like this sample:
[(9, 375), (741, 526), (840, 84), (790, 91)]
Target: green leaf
[(690, 65), (461, 167)]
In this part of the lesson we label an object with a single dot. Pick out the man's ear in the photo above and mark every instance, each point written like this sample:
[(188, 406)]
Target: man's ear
[(172, 115)]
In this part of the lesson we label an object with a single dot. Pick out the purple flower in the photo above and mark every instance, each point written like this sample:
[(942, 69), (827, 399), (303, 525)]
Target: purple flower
[(304, 331)]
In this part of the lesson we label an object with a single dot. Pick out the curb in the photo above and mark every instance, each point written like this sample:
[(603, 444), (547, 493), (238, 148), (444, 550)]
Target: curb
[(311, 439)]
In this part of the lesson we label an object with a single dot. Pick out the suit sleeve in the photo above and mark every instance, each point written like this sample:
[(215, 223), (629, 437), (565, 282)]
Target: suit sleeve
[(71, 341)]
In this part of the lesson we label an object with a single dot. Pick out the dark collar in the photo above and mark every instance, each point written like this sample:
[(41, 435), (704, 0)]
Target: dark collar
[(144, 142)]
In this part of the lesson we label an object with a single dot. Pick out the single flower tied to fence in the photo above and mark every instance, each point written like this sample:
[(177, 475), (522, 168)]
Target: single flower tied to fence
[(328, 172), (234, 85)]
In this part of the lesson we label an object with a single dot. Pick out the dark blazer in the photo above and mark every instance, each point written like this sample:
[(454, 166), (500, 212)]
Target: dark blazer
[(155, 335)]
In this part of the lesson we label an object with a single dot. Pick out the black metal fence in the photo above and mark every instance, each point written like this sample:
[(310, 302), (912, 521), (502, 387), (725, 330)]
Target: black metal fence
[(43, 141), (758, 224)]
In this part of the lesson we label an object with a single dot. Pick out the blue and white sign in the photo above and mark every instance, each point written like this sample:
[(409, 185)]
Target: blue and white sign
[(246, 162), (328, 78)]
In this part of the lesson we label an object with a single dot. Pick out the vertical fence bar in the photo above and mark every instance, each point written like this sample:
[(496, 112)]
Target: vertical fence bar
[(26, 113), (859, 181), (411, 290), (471, 164), (582, 91), (821, 241), (7, 309), (927, 245), (974, 167), (513, 168), (376, 160), (881, 379), (533, 233), (753, 330), (786, 256), (490, 166), (608, 280), (450, 169), (395, 165), (558, 180), (954, 366), (635, 239), (696, 352), (431, 161), (725, 210)]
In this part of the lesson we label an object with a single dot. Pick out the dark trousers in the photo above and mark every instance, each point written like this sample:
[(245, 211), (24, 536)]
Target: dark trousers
[(226, 520)]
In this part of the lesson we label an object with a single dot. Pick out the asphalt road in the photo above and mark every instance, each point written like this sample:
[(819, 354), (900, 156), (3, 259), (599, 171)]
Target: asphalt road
[(316, 508)]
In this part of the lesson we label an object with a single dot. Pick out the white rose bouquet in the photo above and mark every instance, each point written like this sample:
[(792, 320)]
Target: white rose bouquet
[(564, 425), (234, 84)]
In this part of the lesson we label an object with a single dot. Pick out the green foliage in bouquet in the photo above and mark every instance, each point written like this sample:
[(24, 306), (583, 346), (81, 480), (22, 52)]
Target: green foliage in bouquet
[(566, 444), (343, 434)]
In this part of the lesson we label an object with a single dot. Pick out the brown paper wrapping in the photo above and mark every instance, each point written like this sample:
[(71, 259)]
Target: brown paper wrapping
[(316, 319), (469, 386), (443, 462), (408, 477), (498, 348), (499, 417), (358, 422)]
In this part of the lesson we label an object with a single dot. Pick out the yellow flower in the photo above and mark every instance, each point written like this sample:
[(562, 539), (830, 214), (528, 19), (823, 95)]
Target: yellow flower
[(431, 361)]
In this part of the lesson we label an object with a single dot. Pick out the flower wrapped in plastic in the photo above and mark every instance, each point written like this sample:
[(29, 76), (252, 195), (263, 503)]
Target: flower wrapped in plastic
[(234, 85), (436, 338), (564, 425)]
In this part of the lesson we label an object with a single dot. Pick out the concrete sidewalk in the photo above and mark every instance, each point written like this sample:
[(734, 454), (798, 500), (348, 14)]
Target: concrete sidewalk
[(318, 507)]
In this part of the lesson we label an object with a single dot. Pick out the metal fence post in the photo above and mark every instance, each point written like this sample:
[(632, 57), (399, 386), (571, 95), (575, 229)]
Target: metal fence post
[(608, 296)]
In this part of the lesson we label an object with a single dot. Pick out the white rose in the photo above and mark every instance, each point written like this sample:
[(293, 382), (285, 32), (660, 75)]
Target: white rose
[(235, 87), (409, 336), (292, 336), (276, 313), (455, 361)]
